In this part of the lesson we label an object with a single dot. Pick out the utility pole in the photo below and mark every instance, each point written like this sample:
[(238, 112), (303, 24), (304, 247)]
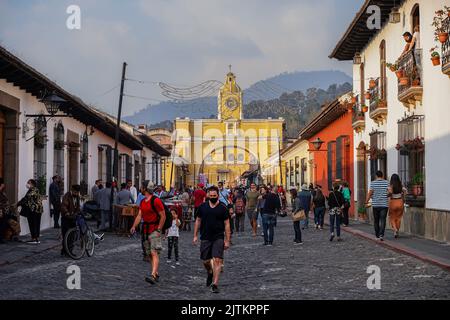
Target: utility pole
[(173, 159), (116, 143), (279, 161)]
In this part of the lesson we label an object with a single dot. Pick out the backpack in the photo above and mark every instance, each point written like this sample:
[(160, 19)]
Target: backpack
[(169, 218), (239, 206)]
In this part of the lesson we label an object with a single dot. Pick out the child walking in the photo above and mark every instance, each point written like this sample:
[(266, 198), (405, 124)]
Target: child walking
[(172, 235)]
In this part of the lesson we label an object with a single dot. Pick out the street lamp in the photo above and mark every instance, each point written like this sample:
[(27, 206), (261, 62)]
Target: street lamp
[(317, 144), (357, 58), (52, 103)]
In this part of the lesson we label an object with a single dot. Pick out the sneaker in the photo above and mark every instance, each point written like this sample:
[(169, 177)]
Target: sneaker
[(169, 261), (396, 234), (381, 238), (209, 279), (151, 279), (31, 242), (177, 263), (317, 226), (331, 237), (297, 242), (214, 288)]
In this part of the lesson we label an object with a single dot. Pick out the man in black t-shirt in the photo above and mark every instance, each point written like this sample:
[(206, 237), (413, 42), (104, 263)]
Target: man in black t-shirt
[(214, 225)]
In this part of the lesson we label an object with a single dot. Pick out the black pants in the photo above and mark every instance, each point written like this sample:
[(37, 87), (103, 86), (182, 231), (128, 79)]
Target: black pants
[(379, 216), (345, 215), (3, 226), (173, 244), (298, 231), (56, 214), (66, 225), (34, 223)]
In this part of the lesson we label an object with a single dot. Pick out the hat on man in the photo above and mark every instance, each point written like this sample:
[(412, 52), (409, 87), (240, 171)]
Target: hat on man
[(200, 185), (305, 187)]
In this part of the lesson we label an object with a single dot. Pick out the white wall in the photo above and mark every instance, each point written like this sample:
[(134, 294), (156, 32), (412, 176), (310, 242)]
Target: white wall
[(435, 105), (30, 105)]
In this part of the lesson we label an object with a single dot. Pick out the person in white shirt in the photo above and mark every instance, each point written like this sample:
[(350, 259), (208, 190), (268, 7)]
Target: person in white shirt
[(133, 190), (172, 234)]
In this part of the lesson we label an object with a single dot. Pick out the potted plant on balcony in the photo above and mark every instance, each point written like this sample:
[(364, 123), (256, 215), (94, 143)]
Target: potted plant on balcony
[(404, 81), (40, 140), (367, 95), (440, 33), (364, 108), (416, 184), (435, 57), (372, 83), (399, 73), (392, 66)]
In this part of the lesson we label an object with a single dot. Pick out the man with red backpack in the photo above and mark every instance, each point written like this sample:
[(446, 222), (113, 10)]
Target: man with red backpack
[(152, 212)]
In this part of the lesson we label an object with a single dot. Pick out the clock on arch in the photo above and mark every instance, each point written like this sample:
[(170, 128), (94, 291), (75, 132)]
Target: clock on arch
[(231, 103)]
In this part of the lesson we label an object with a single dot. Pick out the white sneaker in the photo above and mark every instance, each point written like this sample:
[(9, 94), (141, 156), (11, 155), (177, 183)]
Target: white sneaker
[(169, 261), (177, 263)]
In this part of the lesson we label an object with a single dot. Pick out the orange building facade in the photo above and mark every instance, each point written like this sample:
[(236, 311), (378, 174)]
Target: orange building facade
[(333, 162)]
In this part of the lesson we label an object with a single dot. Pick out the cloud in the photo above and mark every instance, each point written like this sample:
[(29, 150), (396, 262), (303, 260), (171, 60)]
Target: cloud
[(175, 41)]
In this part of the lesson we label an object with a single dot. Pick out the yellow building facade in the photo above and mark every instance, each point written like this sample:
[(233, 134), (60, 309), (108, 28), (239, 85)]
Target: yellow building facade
[(230, 148)]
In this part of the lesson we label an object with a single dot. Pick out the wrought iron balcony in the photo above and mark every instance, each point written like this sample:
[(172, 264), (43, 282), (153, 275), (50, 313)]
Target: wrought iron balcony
[(378, 106), (446, 49), (358, 121), (410, 89)]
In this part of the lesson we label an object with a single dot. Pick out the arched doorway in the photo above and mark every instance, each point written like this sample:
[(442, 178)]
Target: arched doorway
[(229, 160)]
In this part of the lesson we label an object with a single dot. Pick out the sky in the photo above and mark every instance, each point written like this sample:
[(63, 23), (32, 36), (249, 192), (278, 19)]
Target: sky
[(180, 42)]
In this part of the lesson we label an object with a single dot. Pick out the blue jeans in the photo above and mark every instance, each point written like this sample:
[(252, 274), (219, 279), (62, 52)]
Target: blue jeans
[(305, 222), (268, 221), (298, 231), (319, 214), (335, 218)]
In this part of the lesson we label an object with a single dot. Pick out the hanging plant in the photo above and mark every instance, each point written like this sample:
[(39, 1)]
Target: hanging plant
[(440, 34), (59, 144), (435, 57), (39, 141), (372, 83), (392, 66), (404, 81), (364, 108), (399, 73)]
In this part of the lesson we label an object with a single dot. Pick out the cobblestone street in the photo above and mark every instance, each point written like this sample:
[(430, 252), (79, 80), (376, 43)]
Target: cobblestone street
[(316, 270)]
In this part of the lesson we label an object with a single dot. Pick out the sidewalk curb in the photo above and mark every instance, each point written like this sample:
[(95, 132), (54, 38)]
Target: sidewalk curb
[(399, 248)]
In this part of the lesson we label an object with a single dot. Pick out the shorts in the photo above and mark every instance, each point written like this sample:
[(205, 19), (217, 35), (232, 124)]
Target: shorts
[(252, 214), (211, 249), (153, 243)]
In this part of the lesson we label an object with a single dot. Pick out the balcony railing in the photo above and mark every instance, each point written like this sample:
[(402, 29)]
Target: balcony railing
[(446, 49), (378, 107), (410, 88), (358, 121)]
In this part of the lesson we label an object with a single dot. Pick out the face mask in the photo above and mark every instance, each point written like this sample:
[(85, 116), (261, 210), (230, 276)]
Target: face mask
[(213, 200)]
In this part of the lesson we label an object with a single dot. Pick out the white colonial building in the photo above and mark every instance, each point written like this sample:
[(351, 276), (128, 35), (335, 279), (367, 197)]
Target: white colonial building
[(78, 146), (405, 128)]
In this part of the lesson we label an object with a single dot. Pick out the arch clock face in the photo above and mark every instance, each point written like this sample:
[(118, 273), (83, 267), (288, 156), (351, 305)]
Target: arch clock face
[(231, 103)]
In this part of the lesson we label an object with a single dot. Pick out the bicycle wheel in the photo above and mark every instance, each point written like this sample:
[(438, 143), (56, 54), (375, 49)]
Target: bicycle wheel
[(90, 242), (74, 244)]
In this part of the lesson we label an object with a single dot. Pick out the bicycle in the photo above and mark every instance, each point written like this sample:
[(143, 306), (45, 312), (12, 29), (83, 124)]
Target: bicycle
[(80, 239)]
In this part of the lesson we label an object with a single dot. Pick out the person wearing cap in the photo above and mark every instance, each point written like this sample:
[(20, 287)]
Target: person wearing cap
[(306, 201)]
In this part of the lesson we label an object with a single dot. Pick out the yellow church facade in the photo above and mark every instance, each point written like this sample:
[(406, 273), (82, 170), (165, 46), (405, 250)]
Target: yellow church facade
[(230, 148)]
